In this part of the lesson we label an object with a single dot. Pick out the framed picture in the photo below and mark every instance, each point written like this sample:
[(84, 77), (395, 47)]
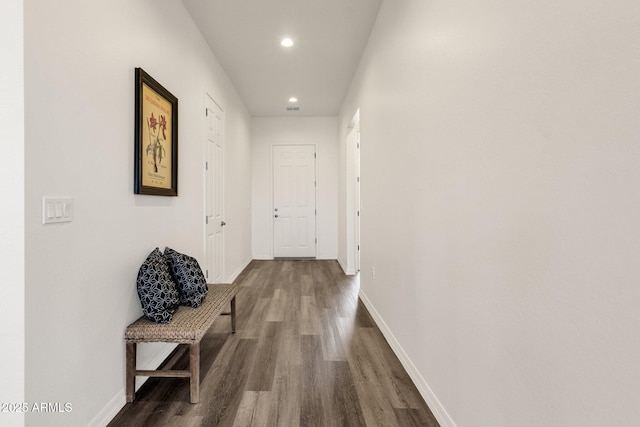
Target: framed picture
[(156, 138)]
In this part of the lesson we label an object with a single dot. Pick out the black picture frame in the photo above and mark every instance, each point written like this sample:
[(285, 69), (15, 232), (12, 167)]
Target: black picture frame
[(156, 138)]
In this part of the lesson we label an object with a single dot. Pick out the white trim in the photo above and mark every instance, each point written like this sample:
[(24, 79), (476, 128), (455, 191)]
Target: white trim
[(109, 412), (316, 166), (111, 409), (351, 200), (345, 270), (236, 273), (425, 391), (156, 361)]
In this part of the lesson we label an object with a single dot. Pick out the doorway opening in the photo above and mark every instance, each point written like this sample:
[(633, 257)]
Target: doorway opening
[(354, 205)]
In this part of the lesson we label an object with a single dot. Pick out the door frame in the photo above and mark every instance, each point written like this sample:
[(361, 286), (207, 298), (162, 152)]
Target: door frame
[(272, 204), (356, 203), (353, 200)]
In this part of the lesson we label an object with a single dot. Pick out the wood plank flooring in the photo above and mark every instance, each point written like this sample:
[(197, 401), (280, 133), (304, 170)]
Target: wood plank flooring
[(306, 353)]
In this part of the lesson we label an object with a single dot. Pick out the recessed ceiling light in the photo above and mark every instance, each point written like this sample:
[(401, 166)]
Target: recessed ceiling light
[(286, 42), (293, 99)]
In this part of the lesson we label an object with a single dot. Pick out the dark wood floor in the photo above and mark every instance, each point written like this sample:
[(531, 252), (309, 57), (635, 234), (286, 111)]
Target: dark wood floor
[(306, 353)]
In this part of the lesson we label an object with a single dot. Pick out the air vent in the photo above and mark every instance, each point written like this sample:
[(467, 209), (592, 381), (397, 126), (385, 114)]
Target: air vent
[(293, 108)]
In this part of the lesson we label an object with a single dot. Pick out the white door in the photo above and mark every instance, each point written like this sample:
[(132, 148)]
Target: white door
[(214, 173), (294, 201)]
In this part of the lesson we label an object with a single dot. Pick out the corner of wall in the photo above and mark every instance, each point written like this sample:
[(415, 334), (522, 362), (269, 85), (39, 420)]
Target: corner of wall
[(347, 271), (12, 292), (239, 270), (118, 401)]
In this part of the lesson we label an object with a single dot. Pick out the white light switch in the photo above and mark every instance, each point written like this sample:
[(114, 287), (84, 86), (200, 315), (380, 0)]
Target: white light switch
[(57, 209), (50, 209)]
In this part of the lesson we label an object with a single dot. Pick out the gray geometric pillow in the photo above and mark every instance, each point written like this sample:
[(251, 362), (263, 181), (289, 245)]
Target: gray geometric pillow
[(157, 292), (186, 272)]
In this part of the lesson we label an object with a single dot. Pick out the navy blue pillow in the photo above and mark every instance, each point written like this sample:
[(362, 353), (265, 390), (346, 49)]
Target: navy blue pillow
[(157, 292), (186, 272)]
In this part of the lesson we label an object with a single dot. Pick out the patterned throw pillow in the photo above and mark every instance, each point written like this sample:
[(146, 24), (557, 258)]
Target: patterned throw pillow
[(158, 293), (186, 272)]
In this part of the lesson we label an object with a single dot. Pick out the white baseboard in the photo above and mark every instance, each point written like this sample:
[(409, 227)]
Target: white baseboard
[(342, 266), (154, 362), (271, 258), (107, 413), (236, 273), (345, 270), (114, 406), (425, 391)]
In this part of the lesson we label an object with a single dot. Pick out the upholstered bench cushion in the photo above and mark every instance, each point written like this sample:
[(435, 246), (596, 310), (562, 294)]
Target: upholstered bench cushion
[(189, 324)]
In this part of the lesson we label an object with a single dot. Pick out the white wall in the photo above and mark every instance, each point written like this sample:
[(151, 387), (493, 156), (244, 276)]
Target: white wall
[(80, 276), (237, 194), (12, 212), (500, 205), (269, 131)]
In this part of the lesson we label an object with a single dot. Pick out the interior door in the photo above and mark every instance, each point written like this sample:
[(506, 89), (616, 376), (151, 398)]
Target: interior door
[(214, 172), (294, 201)]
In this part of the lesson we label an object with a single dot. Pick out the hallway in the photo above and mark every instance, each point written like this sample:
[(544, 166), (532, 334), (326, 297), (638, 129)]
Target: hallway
[(306, 353)]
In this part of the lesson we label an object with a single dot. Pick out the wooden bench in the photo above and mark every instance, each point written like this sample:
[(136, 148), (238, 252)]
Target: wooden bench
[(188, 326)]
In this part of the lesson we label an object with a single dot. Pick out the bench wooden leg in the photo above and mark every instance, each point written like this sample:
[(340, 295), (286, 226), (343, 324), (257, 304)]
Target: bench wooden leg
[(194, 364), (131, 372), (233, 315)]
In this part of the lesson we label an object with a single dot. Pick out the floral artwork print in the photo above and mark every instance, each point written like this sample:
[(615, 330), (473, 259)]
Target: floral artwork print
[(156, 139), (155, 148)]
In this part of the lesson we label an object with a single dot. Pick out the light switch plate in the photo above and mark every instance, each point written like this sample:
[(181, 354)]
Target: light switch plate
[(57, 209)]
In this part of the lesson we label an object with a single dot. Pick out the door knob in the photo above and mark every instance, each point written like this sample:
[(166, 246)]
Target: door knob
[(275, 216), (222, 224)]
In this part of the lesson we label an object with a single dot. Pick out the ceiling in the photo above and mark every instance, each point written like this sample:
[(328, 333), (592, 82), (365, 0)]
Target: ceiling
[(329, 37)]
